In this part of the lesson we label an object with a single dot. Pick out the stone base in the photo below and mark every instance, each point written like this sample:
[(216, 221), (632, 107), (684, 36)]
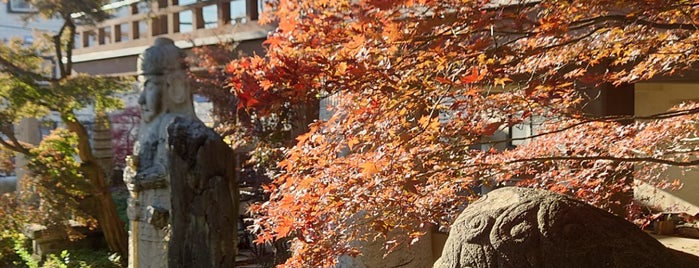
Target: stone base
[(47, 241)]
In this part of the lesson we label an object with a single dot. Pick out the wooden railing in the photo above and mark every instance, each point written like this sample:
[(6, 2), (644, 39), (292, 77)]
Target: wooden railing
[(167, 18)]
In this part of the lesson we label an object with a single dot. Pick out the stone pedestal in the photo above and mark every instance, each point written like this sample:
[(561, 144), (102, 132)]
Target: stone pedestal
[(47, 240)]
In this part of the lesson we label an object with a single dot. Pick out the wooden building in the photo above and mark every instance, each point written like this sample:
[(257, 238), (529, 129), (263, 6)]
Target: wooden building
[(112, 46)]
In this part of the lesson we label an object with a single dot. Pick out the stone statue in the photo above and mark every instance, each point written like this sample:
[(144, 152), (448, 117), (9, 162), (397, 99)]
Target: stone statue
[(520, 227), (166, 94), (166, 98)]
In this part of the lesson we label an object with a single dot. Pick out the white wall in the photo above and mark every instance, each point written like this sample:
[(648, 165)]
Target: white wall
[(12, 25), (653, 98)]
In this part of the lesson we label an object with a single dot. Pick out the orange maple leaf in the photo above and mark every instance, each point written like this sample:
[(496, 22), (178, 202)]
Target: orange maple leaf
[(444, 80), (231, 67), (473, 77), (273, 41), (246, 99), (352, 142), (369, 169), (287, 25), (285, 226), (356, 42), (263, 238), (502, 81), (266, 84), (490, 128), (306, 182)]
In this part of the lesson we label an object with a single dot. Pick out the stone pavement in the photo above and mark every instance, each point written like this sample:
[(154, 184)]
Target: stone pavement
[(688, 245)]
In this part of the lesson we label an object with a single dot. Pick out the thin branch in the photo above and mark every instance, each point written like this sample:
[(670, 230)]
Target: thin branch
[(59, 50), (635, 20), (610, 158), (659, 116), (10, 147), (69, 46), (541, 50), (8, 66), (15, 145), (680, 151), (485, 166), (18, 145)]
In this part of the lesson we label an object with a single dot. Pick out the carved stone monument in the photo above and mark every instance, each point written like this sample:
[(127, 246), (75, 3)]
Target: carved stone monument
[(204, 198), (183, 204), (519, 227)]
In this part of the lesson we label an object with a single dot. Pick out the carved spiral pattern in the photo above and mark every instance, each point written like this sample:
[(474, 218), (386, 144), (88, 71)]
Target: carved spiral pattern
[(515, 225), (477, 226)]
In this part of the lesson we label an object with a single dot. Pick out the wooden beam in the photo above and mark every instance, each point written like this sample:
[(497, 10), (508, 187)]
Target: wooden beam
[(198, 18), (251, 10), (135, 33), (116, 34), (224, 13)]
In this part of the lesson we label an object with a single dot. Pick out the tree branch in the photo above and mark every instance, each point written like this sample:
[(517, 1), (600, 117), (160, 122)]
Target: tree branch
[(69, 46), (659, 116), (84, 147), (10, 147), (15, 145), (19, 72), (610, 158), (59, 50), (634, 20)]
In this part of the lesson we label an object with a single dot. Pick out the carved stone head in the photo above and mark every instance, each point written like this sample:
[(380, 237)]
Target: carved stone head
[(165, 88), (519, 227)]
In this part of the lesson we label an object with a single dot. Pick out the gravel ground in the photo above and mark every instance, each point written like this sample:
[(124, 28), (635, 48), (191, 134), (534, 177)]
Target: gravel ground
[(688, 245)]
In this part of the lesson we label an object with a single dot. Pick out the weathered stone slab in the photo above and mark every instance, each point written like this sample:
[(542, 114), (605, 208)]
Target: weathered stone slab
[(519, 227), (50, 240), (204, 197)]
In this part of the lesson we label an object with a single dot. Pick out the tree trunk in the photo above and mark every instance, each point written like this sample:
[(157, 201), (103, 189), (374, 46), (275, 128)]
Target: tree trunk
[(105, 210), (106, 214), (112, 227)]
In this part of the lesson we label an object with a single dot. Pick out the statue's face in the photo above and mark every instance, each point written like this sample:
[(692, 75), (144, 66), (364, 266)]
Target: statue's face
[(151, 99)]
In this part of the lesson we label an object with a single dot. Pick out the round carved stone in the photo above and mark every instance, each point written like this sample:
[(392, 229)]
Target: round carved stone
[(521, 227)]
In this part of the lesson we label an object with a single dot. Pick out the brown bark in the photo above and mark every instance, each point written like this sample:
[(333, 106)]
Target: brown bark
[(110, 224)]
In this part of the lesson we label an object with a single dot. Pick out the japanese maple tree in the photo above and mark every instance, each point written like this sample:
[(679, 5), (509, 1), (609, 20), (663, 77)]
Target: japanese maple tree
[(424, 85), (124, 125)]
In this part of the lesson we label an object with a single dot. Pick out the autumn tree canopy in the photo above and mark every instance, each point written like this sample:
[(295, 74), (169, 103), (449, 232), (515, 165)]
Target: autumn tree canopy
[(423, 87)]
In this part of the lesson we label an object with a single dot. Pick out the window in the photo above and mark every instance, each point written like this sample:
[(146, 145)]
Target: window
[(20, 6), (238, 12), (122, 33), (89, 39), (186, 2), (28, 39), (185, 21), (210, 16), (104, 35)]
